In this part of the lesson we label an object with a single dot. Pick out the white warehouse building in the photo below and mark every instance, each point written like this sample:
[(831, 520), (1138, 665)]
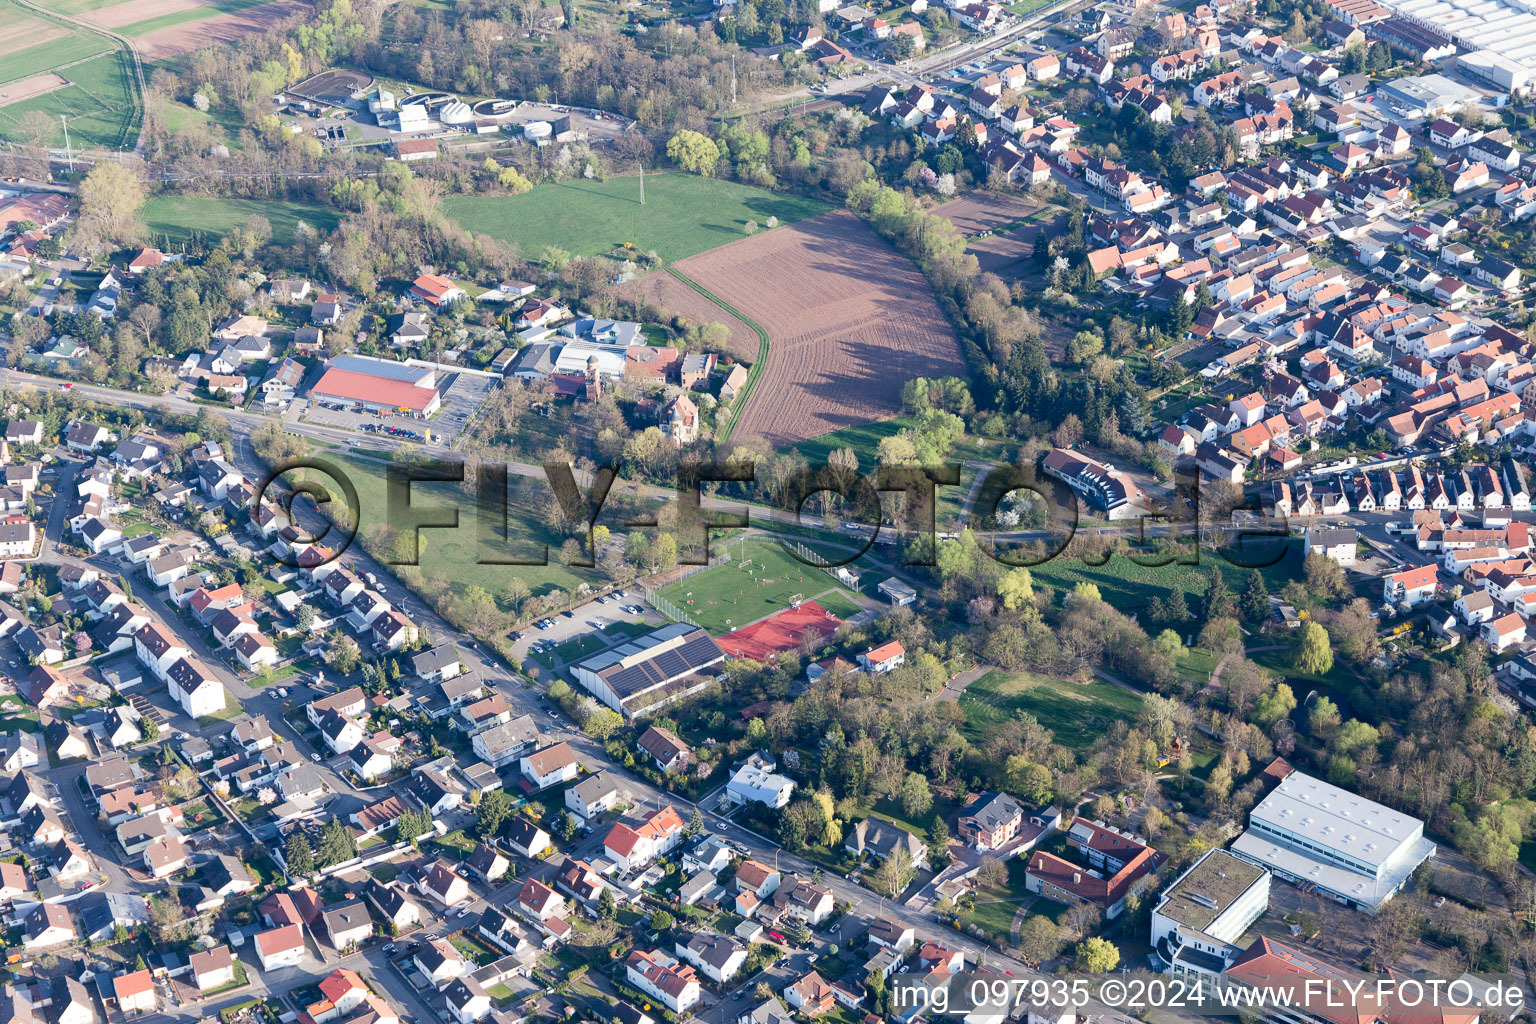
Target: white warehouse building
[(1352, 849)]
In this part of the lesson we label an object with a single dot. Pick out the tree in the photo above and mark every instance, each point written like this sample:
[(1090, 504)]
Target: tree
[(341, 653), (916, 797), (1323, 719), (661, 921), (1311, 654), (894, 874), (991, 873), (938, 838), (336, 843), (1325, 577), (412, 826), (607, 907), (150, 728), (1096, 956), (693, 152), (111, 197), (300, 858), (696, 823), (1016, 588), (306, 618), (168, 923), (1039, 938), (1254, 603), (1218, 600), (601, 723), (495, 806)]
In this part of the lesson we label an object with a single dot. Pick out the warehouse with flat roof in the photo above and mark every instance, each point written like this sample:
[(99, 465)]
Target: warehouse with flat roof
[(1199, 918), (645, 674), (1339, 843)]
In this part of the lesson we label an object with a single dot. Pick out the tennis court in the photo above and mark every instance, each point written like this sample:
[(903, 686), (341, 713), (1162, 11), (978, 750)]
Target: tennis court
[(782, 632)]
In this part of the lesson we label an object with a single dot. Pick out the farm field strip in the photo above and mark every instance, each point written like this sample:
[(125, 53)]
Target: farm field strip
[(683, 215), (672, 297), (178, 37), (67, 48), (985, 211), (99, 97), (849, 320), (140, 17)]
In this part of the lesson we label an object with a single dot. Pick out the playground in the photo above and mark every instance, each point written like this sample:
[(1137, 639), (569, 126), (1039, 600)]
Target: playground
[(756, 579), (782, 632)]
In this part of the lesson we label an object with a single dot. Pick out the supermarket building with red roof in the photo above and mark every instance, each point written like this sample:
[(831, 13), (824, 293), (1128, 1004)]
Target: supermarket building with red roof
[(379, 385)]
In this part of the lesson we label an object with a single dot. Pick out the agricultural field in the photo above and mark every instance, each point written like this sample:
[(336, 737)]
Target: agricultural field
[(99, 96), (849, 321), (177, 219), (683, 215), (33, 44), (1076, 713), (728, 595), (985, 211), (672, 297)]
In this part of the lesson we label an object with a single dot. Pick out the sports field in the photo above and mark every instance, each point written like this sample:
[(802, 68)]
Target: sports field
[(683, 215), (180, 217), (729, 594), (1075, 713)]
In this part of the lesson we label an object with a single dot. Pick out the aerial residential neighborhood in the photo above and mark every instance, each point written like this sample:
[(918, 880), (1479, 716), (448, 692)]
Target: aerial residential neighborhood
[(753, 512)]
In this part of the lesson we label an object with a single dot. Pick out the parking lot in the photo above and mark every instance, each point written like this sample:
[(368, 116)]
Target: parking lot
[(586, 619), (461, 394)]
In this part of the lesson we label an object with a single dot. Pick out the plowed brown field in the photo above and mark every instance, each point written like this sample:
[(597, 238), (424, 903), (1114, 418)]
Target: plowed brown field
[(849, 320), (674, 298)]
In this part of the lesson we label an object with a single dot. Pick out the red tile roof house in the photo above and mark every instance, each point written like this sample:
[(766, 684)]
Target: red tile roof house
[(436, 290), (1411, 586), (281, 947), (135, 992), (1067, 882), (885, 658), (548, 767)]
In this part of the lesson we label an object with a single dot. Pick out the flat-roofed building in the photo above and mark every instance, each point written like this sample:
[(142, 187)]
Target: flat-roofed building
[(1315, 834), (1201, 915), (651, 671)]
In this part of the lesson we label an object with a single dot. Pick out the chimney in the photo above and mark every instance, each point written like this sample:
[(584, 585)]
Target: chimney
[(1077, 878)]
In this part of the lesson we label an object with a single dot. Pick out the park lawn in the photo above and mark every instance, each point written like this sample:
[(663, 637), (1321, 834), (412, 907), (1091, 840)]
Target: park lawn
[(198, 13), (101, 101), (1076, 714), (995, 908), (457, 553), (1130, 587), (179, 218), (727, 595), (1337, 678), (683, 215)]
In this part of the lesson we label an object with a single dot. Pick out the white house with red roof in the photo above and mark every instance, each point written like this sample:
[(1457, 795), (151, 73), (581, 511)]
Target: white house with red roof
[(885, 658), (659, 834), (280, 947), (1411, 586), (436, 290)]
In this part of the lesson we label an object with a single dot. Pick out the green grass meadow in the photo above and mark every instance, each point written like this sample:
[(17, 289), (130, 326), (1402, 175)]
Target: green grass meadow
[(727, 596), (1076, 713), (683, 214), (458, 554), (101, 102), (180, 217)]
